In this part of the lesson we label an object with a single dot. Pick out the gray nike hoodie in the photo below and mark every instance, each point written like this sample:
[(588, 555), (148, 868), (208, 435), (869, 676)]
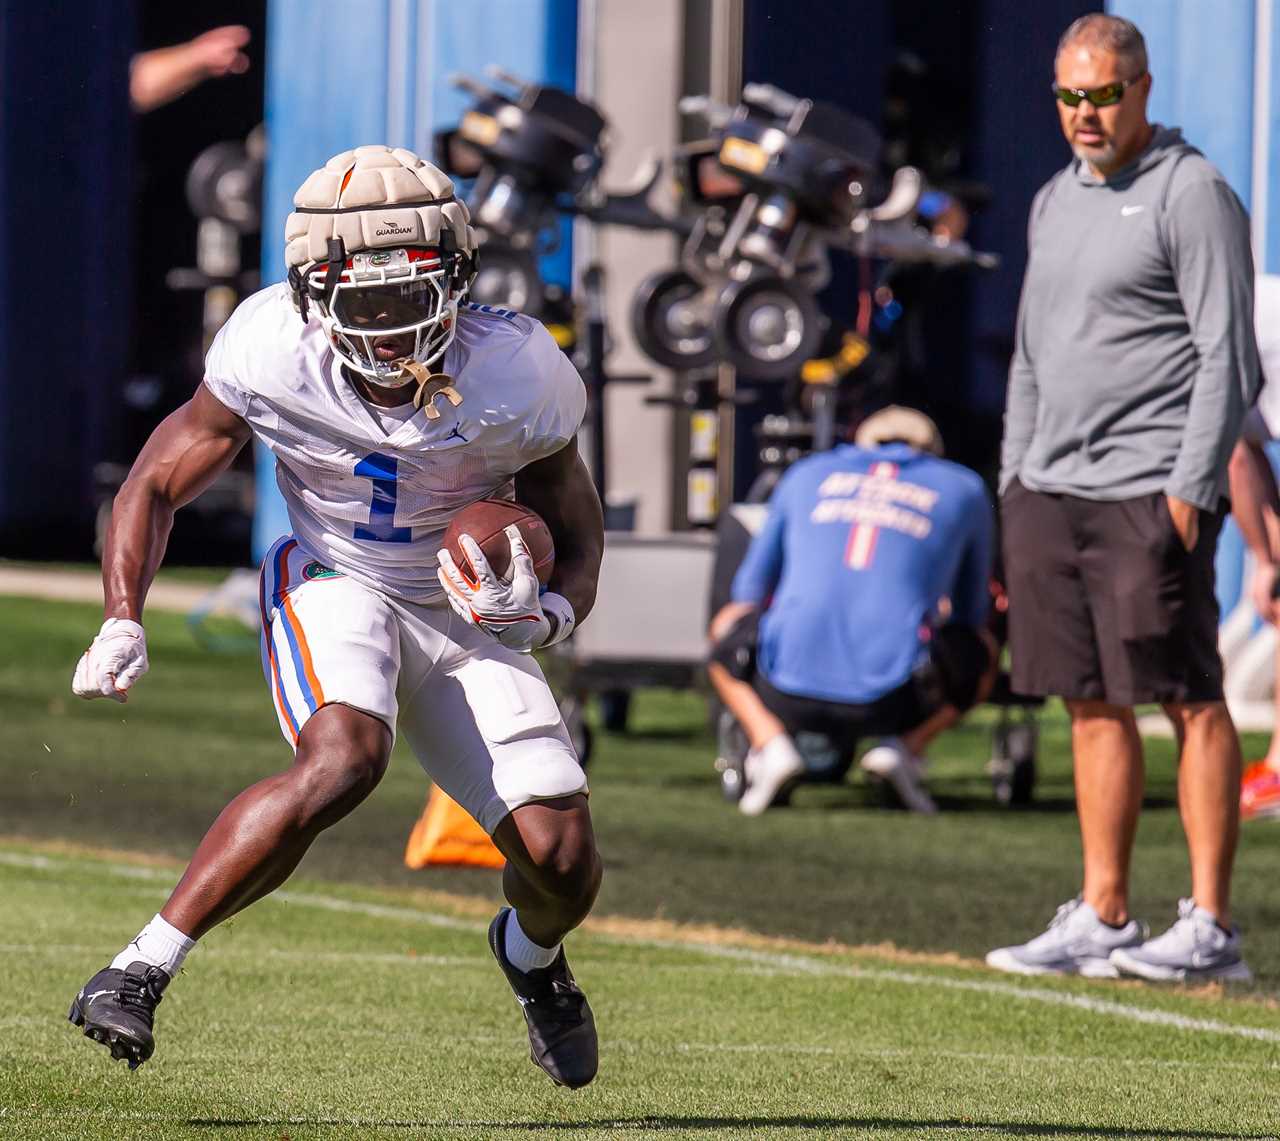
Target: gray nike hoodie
[(1135, 359)]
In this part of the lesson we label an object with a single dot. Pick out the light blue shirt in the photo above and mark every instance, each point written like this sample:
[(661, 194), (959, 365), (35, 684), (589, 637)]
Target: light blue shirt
[(860, 547)]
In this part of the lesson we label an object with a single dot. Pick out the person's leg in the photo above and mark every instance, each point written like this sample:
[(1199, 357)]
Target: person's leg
[(942, 719), (1107, 753), (904, 721), (1087, 932), (1058, 640), (261, 836), (251, 849), (1158, 625), (774, 764), (553, 868), (759, 723), (551, 879), (773, 761), (331, 659), (485, 725), (1209, 800), (966, 661)]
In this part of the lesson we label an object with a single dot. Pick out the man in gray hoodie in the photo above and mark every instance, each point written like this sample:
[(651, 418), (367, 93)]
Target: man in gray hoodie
[(1134, 365)]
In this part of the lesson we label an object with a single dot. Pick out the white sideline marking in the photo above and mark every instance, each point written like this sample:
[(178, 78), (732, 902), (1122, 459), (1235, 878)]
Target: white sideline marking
[(785, 963), (377, 910), (389, 958), (796, 964)]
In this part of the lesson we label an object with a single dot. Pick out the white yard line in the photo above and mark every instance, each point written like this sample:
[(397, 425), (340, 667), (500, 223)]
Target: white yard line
[(790, 964)]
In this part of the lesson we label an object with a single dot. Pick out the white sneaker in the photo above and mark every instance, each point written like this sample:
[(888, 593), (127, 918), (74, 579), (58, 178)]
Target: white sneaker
[(1194, 948), (892, 761), (769, 771), (1076, 942)]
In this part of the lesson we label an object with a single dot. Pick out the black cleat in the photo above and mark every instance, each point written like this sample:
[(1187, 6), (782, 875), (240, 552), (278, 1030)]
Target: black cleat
[(117, 1008), (562, 1032)]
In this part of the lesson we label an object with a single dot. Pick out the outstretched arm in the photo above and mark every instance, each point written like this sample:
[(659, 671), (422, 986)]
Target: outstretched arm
[(184, 455), (560, 489), (160, 76)]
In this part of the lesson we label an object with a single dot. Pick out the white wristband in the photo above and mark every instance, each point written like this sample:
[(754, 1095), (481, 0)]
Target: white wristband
[(559, 613)]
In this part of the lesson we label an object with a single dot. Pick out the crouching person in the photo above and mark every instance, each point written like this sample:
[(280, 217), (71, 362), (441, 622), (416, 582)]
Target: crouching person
[(859, 609)]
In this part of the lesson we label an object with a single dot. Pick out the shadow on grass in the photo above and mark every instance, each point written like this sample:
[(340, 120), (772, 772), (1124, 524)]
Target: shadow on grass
[(662, 1123)]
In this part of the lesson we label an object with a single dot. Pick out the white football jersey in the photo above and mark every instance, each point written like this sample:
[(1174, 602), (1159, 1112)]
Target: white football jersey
[(370, 490)]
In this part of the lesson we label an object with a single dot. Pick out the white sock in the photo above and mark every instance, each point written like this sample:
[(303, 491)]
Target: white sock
[(522, 952), (159, 944)]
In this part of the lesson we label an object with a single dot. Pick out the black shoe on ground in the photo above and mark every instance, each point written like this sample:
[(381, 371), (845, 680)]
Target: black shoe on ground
[(562, 1032), (117, 1008)]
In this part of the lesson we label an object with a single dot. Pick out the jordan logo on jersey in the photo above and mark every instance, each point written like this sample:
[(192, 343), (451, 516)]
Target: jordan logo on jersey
[(457, 432)]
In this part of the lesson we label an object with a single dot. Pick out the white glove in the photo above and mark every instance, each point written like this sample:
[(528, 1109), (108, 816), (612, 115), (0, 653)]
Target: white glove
[(115, 659), (506, 610)]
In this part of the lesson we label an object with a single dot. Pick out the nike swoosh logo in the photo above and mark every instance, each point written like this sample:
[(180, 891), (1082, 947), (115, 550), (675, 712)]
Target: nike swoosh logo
[(96, 994), (1125, 211)]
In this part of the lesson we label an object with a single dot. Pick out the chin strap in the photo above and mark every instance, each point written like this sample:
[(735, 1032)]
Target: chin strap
[(430, 385)]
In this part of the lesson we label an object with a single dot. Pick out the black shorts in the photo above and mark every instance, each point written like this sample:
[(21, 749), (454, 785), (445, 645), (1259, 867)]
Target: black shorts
[(1105, 603), (952, 674), (845, 724)]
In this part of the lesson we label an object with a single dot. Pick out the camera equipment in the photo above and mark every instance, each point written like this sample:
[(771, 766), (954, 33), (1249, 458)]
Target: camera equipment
[(529, 149), (780, 181), (533, 153), (224, 190)]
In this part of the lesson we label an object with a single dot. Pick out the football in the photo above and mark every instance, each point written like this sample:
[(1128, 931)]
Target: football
[(485, 521)]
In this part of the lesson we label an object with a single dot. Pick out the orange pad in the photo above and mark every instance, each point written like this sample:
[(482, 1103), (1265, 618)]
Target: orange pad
[(446, 834)]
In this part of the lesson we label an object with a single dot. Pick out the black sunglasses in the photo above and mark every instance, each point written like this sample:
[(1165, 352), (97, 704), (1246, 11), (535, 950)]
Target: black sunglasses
[(1105, 96)]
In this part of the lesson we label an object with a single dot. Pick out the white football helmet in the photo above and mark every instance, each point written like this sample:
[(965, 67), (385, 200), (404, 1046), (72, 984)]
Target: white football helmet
[(381, 247)]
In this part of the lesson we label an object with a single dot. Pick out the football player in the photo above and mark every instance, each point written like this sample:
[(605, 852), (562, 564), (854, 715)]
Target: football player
[(390, 404)]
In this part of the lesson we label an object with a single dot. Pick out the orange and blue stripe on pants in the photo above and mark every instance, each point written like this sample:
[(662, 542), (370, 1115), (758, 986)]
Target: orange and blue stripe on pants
[(295, 688)]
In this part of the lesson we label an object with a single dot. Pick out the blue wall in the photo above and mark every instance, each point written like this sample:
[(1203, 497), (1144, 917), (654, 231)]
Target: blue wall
[(342, 74), (1203, 59), (66, 231)]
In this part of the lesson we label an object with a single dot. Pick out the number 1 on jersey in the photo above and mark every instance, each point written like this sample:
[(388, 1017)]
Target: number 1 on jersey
[(861, 546), (382, 508)]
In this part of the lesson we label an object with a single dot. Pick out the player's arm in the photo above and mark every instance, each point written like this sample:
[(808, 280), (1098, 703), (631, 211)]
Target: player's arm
[(1255, 503), (184, 455), (159, 76), (1208, 240), (561, 490)]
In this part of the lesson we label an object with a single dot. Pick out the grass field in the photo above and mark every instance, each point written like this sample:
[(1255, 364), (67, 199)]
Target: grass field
[(363, 1003), (337, 1011)]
